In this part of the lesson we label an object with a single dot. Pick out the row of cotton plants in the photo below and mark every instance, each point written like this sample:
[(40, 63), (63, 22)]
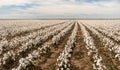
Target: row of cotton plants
[(24, 62), (6, 45), (112, 29), (30, 44), (55, 39), (111, 34), (112, 46), (92, 50), (17, 29), (63, 61), (111, 26)]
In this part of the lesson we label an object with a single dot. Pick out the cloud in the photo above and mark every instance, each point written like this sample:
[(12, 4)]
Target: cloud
[(101, 7), (59, 8)]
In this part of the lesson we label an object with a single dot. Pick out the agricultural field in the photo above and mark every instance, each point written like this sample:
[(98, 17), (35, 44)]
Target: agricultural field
[(59, 44)]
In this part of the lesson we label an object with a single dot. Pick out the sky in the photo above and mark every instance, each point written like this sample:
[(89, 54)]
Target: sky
[(20, 9)]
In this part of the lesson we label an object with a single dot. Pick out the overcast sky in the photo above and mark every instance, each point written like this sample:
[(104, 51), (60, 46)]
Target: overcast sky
[(59, 9)]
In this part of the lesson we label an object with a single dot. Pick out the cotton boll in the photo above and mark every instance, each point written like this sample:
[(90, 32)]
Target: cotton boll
[(68, 69), (58, 69), (65, 65), (61, 68)]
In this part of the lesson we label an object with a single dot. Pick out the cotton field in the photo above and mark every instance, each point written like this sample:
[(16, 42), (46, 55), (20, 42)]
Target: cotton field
[(59, 44)]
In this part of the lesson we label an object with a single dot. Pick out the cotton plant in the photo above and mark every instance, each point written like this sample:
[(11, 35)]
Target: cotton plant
[(63, 61), (41, 50), (92, 50)]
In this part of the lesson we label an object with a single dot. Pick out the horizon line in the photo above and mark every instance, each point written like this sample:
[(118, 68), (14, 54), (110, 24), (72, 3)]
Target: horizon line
[(59, 18)]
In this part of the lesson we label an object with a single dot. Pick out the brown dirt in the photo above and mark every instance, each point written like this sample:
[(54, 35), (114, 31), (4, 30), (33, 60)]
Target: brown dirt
[(21, 34), (49, 63), (80, 60), (108, 57), (23, 54)]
